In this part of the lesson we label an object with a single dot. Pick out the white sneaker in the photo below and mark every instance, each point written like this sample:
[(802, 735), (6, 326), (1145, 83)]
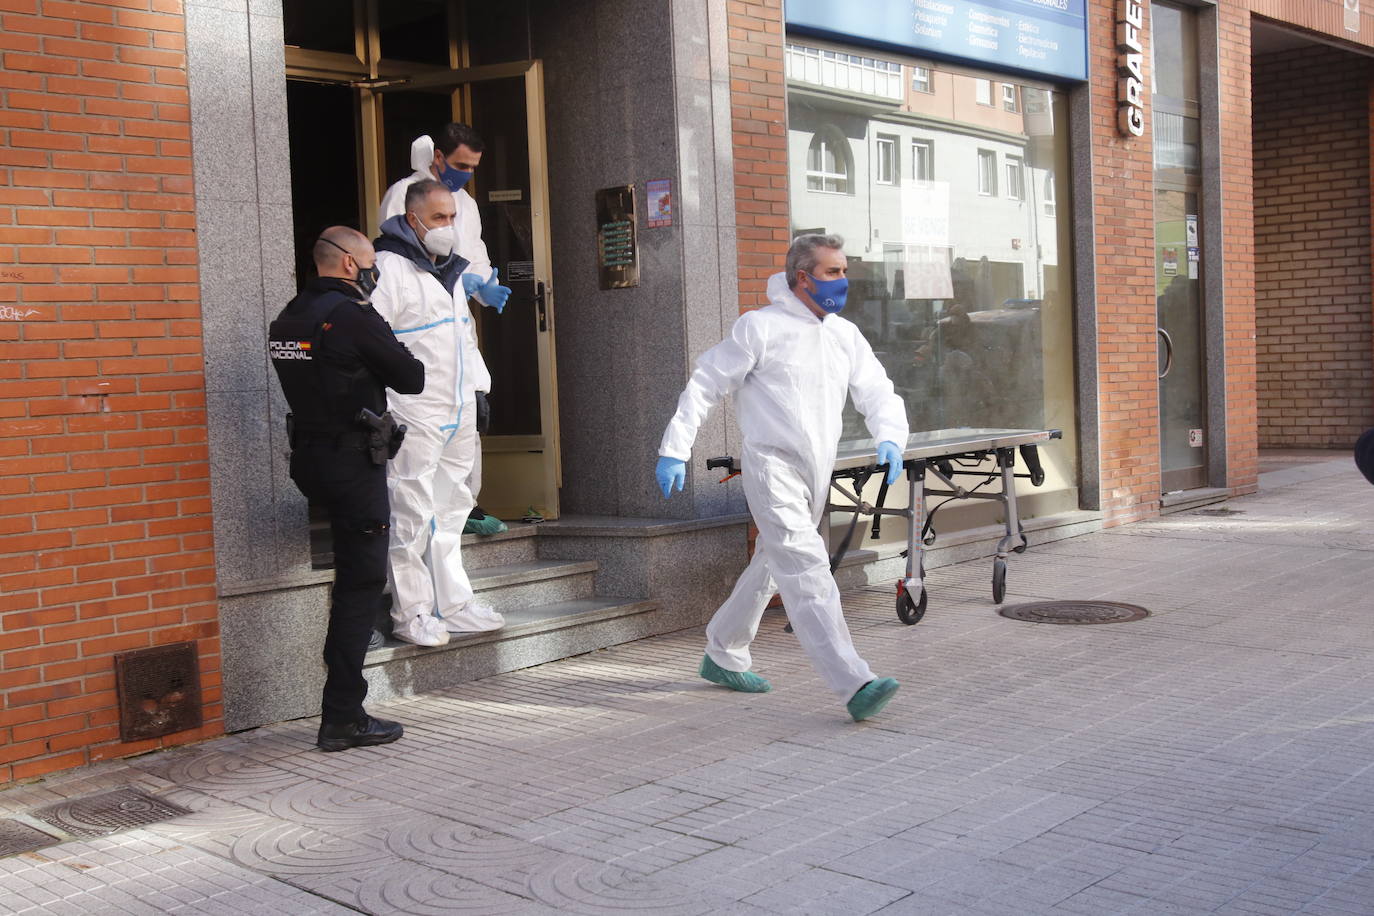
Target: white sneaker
[(476, 616), (422, 630)]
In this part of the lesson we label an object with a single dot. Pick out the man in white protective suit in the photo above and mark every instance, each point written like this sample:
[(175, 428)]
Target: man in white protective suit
[(431, 484), (790, 366), (451, 157)]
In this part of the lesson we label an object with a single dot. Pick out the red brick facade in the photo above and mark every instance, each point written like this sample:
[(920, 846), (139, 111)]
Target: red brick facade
[(758, 111), (1312, 283), (104, 481), (1238, 246), (1127, 358)]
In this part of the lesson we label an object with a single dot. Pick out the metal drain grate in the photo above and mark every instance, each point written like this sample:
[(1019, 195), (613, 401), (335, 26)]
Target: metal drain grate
[(17, 837), (1074, 612), (1219, 513), (108, 812), (159, 691)]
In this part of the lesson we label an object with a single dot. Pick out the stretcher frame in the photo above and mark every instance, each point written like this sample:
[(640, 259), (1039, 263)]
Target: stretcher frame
[(945, 454)]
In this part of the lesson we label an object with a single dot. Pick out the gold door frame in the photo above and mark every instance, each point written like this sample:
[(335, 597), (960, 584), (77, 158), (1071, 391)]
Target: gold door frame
[(533, 73), (373, 77)]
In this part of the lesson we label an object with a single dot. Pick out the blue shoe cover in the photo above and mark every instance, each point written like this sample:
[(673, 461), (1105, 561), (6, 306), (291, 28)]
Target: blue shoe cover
[(485, 526), (743, 681), (871, 698)]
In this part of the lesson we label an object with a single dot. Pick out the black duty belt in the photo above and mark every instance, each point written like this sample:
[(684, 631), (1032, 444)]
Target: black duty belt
[(344, 439)]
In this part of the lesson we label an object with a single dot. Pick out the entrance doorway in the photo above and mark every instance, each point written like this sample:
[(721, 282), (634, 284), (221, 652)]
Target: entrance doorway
[(353, 115), (1177, 134)]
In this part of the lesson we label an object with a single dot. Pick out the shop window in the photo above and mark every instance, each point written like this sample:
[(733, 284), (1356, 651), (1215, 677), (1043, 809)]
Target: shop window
[(982, 91), (828, 164), (922, 160), (1009, 100), (920, 80), (959, 276), (1016, 185), (987, 172), (885, 160)]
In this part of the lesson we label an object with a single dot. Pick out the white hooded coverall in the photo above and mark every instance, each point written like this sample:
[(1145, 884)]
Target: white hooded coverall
[(790, 373), (468, 220), (434, 478)]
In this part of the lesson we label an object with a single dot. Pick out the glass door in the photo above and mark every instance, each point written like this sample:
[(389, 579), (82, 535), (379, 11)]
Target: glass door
[(1182, 380), (504, 103), (363, 80), (1176, 130)]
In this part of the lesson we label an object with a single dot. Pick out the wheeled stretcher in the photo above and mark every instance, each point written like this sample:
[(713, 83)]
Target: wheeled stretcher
[(947, 455)]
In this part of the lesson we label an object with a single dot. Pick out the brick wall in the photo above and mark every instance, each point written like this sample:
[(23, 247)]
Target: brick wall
[(1312, 248), (1238, 249), (105, 542), (1123, 201), (758, 110)]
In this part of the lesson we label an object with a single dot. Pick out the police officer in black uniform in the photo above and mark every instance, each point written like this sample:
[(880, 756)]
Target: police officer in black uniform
[(335, 356)]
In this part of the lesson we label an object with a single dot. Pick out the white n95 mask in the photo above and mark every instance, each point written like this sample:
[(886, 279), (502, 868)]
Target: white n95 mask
[(441, 241)]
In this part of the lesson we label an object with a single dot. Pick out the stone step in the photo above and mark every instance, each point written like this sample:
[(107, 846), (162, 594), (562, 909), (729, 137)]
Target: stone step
[(513, 586), (516, 545), (532, 635)]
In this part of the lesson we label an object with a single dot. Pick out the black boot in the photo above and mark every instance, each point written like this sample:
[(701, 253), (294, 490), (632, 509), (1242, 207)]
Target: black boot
[(369, 731)]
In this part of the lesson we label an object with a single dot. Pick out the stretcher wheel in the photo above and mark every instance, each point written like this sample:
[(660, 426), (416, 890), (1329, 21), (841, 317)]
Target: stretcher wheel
[(909, 612), (999, 580)]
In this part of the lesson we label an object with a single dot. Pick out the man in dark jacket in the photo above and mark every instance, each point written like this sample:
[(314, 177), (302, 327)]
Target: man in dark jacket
[(335, 357)]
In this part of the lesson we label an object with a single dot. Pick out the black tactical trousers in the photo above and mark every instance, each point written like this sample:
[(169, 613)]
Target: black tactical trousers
[(353, 491)]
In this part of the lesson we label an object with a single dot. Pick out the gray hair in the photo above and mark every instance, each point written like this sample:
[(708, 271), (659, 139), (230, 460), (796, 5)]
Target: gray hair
[(420, 190), (801, 257)]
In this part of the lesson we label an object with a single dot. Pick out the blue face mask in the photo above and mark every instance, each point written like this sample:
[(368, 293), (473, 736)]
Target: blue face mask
[(830, 294), (453, 179)]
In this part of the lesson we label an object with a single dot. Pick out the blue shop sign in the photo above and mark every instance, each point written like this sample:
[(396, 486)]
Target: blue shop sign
[(1048, 37)]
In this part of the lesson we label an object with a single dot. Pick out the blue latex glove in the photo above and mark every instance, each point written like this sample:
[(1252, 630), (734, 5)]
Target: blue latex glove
[(471, 284), (671, 474), (890, 455), (494, 294)]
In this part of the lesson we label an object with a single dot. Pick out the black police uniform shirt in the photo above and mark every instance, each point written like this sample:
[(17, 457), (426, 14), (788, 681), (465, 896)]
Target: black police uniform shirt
[(334, 355)]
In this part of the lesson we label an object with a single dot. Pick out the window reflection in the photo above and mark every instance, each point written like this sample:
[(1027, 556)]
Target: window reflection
[(958, 269)]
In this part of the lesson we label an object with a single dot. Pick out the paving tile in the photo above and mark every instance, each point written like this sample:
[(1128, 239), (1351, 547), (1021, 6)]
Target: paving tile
[(1214, 757)]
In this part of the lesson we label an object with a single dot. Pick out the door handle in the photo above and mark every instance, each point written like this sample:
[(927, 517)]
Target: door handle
[(541, 305), (1168, 351)]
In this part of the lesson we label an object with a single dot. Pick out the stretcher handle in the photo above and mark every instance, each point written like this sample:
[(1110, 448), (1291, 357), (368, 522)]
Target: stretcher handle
[(1031, 456)]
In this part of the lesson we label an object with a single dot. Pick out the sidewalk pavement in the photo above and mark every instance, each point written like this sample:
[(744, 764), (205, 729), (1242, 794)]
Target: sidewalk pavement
[(1216, 757)]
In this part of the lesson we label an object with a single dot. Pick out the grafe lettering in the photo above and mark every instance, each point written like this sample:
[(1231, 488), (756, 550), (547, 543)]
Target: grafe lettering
[(1130, 67)]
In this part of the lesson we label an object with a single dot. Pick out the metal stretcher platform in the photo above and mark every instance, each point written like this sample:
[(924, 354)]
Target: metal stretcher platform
[(947, 455)]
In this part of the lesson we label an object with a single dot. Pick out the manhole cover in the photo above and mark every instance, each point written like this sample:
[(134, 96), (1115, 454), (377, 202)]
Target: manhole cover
[(1074, 612), (17, 837), (108, 812)]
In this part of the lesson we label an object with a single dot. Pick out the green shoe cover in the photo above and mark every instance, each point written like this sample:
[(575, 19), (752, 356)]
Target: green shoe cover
[(485, 526), (871, 698), (743, 681)]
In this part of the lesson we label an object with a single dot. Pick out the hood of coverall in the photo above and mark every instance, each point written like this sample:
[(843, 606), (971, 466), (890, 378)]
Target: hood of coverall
[(398, 238), (779, 293)]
